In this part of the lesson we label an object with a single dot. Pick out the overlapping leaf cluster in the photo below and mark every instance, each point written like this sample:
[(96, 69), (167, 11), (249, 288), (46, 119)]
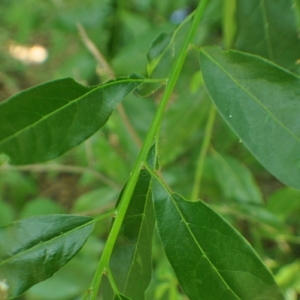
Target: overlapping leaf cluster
[(254, 87)]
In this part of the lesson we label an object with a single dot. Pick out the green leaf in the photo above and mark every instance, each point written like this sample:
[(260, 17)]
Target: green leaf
[(211, 259), (175, 142), (260, 32), (71, 280), (260, 102), (32, 250), (121, 297), (164, 50), (7, 213), (41, 206), (277, 203), (134, 244), (288, 277), (234, 179), (157, 50), (45, 121)]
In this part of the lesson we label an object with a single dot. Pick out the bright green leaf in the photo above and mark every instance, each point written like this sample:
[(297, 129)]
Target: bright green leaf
[(157, 49), (211, 259), (260, 102), (289, 276), (134, 244), (41, 206), (260, 31), (94, 199), (32, 250), (277, 203), (45, 121), (7, 213)]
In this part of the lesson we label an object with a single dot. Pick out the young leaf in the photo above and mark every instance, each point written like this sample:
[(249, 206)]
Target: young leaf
[(211, 259), (259, 31), (260, 102), (164, 50), (32, 250), (45, 121), (134, 244)]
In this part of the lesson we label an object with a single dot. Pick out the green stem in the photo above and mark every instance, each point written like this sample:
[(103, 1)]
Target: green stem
[(112, 283), (202, 154), (126, 197)]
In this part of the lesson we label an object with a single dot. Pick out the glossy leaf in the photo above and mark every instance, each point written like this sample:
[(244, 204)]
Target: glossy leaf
[(45, 121), (259, 31), (133, 247), (71, 280), (211, 259), (32, 250), (260, 102)]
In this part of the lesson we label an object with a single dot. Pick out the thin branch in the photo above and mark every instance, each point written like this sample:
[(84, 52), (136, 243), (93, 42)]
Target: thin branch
[(108, 208), (61, 169), (102, 62), (106, 69)]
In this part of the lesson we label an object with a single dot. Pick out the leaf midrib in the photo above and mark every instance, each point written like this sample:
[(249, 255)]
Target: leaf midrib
[(48, 241), (267, 111), (199, 246), (139, 234), (65, 106)]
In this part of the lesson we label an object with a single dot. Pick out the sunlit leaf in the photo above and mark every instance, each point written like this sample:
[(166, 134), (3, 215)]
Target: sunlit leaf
[(260, 102), (45, 121), (259, 31), (211, 259), (32, 250)]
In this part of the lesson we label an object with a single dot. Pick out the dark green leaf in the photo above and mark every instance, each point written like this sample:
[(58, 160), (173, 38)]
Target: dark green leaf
[(211, 259), (121, 297), (32, 250), (260, 31), (260, 101), (45, 121), (134, 244)]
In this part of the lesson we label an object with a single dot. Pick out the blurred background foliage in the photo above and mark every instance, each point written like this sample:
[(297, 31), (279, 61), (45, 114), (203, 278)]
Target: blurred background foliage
[(87, 179)]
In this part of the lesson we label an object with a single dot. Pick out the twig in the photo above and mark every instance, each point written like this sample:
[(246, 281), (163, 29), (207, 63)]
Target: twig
[(102, 62), (106, 69), (62, 169), (99, 211)]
